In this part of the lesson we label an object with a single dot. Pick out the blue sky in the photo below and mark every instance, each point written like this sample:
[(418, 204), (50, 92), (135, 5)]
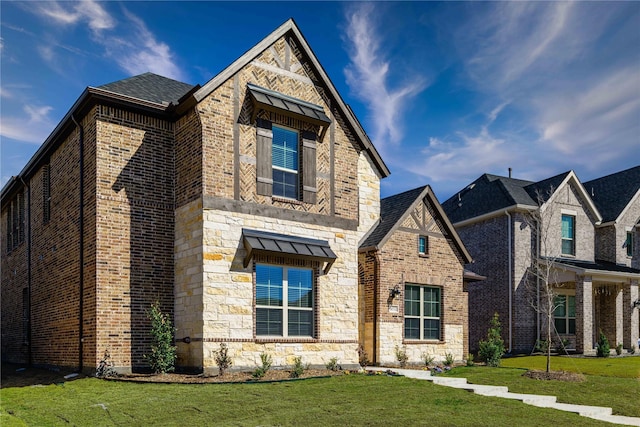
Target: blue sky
[(446, 91)]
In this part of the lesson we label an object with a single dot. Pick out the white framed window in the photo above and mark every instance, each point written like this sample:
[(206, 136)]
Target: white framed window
[(568, 234), (423, 245), (564, 314), (284, 301), (285, 157), (422, 312), (629, 242)]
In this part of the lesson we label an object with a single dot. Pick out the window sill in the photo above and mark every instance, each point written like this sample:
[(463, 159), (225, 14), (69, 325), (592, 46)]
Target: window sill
[(414, 342), (266, 340), (421, 255), (286, 200)]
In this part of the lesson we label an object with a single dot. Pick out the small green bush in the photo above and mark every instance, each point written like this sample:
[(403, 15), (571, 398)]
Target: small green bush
[(492, 349), (561, 346), (448, 359), (619, 349), (162, 357), (332, 364), (298, 368), (603, 349), (470, 360), (401, 356), (223, 360), (632, 350), (105, 367), (427, 359), (266, 365)]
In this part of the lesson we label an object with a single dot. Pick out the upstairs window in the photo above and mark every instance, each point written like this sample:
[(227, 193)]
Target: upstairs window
[(284, 154), (422, 309), (284, 301), (16, 221), (564, 314), (629, 243), (46, 193), (568, 235), (423, 245)]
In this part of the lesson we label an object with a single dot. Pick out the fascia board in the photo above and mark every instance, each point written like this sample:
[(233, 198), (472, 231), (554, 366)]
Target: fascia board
[(511, 209)]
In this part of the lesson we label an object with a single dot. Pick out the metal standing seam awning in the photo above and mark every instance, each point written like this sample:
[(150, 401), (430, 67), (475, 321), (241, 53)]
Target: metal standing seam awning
[(257, 242), (270, 100)]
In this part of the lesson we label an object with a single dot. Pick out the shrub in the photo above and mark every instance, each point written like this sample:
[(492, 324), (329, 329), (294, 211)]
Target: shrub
[(632, 350), (603, 349), (163, 353), (401, 356), (427, 359), (298, 368), (470, 360), (619, 349), (105, 367), (492, 349), (266, 365), (561, 346), (363, 357), (448, 359), (542, 346), (223, 360), (332, 364)]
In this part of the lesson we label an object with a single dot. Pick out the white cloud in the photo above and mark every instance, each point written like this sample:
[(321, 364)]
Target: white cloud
[(368, 75), (142, 52), (72, 13), (32, 127)]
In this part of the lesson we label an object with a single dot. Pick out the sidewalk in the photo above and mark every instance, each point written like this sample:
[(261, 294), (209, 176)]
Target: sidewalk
[(595, 412)]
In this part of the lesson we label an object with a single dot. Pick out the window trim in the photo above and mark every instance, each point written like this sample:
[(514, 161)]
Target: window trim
[(629, 242), (285, 303), (296, 172), (422, 317), (565, 318), (572, 238), (424, 252)]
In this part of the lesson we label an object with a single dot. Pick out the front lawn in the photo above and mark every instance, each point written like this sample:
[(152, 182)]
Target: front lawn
[(342, 400), (611, 382)]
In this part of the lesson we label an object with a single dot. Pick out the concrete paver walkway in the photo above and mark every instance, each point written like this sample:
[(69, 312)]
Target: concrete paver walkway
[(595, 412)]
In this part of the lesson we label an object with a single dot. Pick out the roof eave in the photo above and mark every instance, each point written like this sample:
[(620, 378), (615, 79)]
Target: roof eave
[(513, 208)]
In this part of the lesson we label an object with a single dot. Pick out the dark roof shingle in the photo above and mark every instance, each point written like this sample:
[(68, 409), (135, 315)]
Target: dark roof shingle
[(612, 193), (150, 87)]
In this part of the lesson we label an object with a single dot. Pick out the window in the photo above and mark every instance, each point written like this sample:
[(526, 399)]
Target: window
[(568, 235), (629, 243), (284, 155), (16, 221), (284, 301), (423, 245), (421, 312), (564, 314), (46, 193)]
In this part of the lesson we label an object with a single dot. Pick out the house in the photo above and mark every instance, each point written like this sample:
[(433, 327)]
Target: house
[(412, 295), (238, 205), (593, 290)]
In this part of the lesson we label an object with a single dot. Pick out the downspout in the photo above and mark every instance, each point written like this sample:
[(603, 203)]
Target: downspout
[(28, 221), (538, 243), (81, 230), (509, 256)]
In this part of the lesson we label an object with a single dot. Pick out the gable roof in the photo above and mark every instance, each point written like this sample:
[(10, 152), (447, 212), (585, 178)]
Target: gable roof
[(394, 210), (612, 194), (290, 28), (493, 194), (150, 87)]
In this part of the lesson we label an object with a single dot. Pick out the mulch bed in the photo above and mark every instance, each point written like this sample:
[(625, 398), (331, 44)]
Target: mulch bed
[(555, 375)]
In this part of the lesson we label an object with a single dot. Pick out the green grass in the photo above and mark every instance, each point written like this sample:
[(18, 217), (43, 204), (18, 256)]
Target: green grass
[(343, 400), (608, 382), (620, 367)]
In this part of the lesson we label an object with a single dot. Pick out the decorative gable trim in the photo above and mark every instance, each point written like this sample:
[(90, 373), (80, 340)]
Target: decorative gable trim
[(571, 178), (290, 27)]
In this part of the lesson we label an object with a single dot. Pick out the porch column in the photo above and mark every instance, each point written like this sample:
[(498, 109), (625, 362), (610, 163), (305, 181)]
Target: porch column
[(584, 314), (619, 317), (631, 315)]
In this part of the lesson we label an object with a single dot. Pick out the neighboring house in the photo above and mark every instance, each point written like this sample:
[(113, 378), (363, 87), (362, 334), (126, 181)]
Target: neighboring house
[(412, 294), (237, 205), (594, 292)]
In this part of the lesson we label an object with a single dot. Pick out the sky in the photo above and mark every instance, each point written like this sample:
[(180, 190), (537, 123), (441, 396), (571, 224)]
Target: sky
[(446, 91)]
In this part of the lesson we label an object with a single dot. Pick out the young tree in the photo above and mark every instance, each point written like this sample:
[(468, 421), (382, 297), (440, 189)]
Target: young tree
[(541, 279), (163, 353)]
